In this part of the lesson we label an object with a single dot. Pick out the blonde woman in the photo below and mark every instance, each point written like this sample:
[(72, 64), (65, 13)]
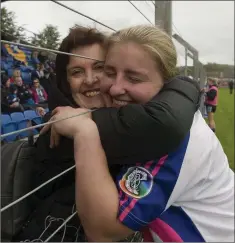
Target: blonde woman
[(186, 195), (16, 74)]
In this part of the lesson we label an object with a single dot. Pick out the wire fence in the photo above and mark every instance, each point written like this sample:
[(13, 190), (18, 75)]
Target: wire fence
[(137, 235)]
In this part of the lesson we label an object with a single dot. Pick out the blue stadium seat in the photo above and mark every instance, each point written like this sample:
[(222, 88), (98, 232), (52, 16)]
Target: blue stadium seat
[(7, 125), (21, 122), (33, 116), (23, 48), (6, 66), (4, 50), (10, 59), (2, 64), (26, 68), (26, 77), (10, 72)]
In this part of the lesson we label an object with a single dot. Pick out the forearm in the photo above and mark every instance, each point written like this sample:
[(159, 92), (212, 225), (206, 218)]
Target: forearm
[(96, 193)]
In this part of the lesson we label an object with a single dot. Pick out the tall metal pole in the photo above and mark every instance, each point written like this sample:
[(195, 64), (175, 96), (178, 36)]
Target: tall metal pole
[(186, 62), (163, 15), (195, 67)]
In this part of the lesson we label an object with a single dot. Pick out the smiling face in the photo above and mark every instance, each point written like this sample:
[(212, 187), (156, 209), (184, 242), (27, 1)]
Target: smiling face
[(36, 83), (84, 76), (18, 81), (130, 75)]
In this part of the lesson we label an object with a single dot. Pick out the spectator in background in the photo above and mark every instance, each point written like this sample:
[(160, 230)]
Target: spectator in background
[(48, 77), (211, 102), (34, 58), (41, 70), (5, 91), (16, 73), (6, 83), (230, 85), (13, 100), (24, 94), (39, 93), (38, 73)]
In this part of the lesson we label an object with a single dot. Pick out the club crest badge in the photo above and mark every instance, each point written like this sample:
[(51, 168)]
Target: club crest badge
[(137, 182)]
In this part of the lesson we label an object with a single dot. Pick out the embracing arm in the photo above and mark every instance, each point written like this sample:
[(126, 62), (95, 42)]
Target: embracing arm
[(97, 198), (143, 132)]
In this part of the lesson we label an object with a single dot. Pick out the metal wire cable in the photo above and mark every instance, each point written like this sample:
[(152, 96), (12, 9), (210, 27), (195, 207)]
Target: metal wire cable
[(177, 30), (140, 12), (36, 189), (75, 11), (43, 124), (150, 6), (6, 33), (46, 49), (61, 226)]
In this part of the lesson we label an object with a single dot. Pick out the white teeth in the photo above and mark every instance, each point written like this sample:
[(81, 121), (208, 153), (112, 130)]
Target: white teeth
[(119, 102), (91, 93)]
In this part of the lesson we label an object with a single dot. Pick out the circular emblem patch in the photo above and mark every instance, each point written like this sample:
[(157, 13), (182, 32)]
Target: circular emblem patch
[(137, 182)]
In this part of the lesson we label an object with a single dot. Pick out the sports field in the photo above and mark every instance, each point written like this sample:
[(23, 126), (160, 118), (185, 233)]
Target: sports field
[(224, 118)]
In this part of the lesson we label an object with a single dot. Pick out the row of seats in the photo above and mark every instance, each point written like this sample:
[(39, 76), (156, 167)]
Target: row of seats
[(8, 63), (17, 121)]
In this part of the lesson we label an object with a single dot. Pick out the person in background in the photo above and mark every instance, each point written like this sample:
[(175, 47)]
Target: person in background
[(13, 100), (16, 73), (8, 102), (230, 85), (41, 70), (34, 58), (38, 92), (5, 85), (48, 76), (211, 101), (24, 93), (38, 72)]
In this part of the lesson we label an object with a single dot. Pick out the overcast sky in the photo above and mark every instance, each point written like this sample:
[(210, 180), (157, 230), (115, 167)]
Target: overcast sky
[(207, 25)]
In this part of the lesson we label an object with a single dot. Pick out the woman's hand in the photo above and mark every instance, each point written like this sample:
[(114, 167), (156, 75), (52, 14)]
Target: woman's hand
[(69, 127)]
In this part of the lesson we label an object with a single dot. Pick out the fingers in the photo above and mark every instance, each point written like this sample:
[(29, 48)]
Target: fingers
[(56, 110), (45, 129), (54, 138)]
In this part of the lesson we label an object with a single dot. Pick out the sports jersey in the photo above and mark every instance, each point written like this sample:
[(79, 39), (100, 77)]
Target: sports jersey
[(185, 196)]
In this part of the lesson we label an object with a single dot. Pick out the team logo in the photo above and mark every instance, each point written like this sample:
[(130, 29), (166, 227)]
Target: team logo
[(137, 182)]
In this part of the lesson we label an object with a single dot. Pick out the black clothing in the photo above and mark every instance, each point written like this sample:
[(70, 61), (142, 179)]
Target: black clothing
[(135, 133), (45, 82), (24, 94), (211, 94)]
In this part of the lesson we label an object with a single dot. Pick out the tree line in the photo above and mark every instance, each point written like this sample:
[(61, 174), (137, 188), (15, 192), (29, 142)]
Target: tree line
[(48, 37)]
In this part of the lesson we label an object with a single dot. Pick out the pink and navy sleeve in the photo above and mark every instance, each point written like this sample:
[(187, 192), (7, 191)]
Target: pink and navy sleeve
[(144, 190)]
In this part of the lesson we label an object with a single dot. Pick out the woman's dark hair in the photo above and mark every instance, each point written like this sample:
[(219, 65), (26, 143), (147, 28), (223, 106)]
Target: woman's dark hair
[(4, 79), (78, 37)]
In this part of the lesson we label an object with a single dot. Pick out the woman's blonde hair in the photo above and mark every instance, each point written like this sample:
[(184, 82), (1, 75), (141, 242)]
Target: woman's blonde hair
[(153, 40)]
